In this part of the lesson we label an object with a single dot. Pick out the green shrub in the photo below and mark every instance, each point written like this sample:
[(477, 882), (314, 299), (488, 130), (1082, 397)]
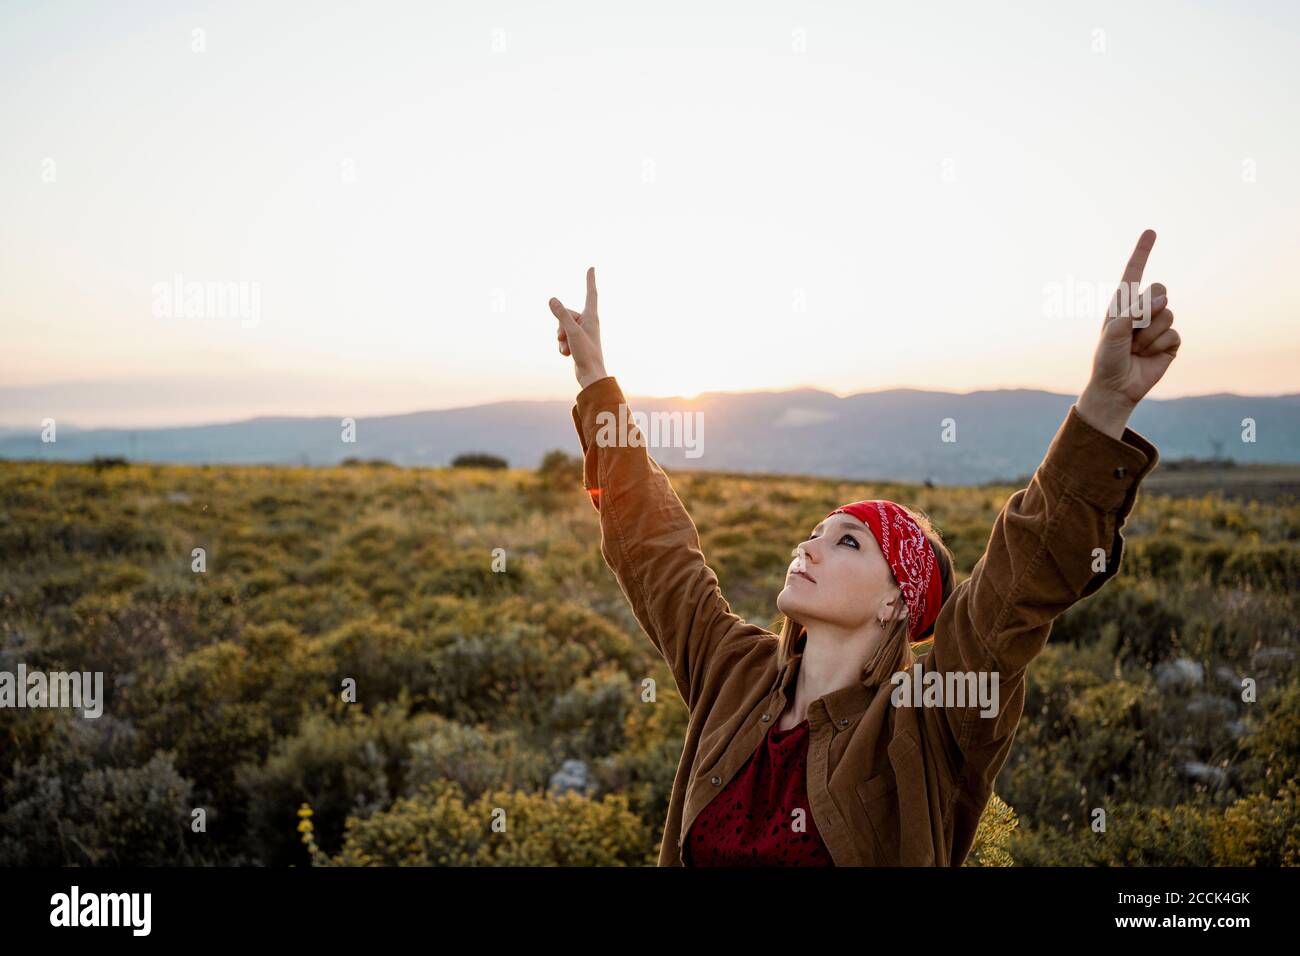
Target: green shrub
[(1267, 566), (69, 815), (560, 470), (382, 658), (437, 828), (351, 766), (478, 460), (476, 758)]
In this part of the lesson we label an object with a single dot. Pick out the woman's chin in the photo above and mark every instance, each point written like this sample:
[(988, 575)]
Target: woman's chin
[(788, 603)]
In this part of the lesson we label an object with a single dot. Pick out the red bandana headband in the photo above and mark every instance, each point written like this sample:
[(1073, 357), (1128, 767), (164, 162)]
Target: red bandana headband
[(910, 557)]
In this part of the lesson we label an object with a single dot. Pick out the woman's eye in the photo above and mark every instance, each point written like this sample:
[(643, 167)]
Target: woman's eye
[(856, 546)]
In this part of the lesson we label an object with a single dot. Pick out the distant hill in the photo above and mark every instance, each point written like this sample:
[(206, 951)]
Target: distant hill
[(893, 434)]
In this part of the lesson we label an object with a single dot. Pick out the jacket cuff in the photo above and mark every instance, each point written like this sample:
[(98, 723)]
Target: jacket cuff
[(601, 395), (1102, 470), (604, 394)]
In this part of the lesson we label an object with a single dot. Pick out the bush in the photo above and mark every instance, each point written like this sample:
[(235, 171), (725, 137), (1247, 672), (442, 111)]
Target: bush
[(560, 470), (1273, 566), (515, 671), (1210, 559), (1260, 830), (66, 815), (1257, 830), (1273, 743), (382, 658), (478, 460), (587, 719), (1160, 557), (436, 828), (1140, 612), (475, 758), (1135, 835), (350, 767), (226, 705)]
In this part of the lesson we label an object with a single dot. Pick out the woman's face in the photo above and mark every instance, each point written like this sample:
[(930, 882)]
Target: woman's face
[(847, 583)]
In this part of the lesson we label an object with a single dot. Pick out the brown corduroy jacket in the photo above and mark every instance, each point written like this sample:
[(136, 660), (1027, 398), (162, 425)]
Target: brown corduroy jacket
[(887, 785)]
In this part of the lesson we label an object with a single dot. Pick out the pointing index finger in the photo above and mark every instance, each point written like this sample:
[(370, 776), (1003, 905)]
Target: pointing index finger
[(591, 290), (1138, 261), (1130, 284)]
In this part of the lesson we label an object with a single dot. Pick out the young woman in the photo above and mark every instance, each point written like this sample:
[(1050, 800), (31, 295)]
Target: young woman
[(805, 747)]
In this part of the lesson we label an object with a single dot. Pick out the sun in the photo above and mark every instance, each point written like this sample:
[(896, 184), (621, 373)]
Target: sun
[(684, 381)]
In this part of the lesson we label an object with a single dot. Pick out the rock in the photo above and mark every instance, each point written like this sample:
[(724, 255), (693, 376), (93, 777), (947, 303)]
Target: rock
[(1178, 674), (1204, 773), (572, 775)]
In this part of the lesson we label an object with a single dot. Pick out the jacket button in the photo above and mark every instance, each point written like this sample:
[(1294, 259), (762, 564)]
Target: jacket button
[(715, 780), (844, 721), (766, 717), (1119, 472)]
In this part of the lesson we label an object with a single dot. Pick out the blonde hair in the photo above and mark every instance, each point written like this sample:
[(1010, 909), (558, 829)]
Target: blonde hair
[(894, 653)]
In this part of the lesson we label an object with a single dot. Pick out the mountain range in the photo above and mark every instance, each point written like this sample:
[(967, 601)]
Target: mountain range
[(893, 434)]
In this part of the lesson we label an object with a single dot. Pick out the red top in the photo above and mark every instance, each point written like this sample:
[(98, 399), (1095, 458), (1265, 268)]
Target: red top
[(750, 823)]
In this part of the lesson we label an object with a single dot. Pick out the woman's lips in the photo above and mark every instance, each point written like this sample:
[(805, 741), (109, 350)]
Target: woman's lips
[(803, 574)]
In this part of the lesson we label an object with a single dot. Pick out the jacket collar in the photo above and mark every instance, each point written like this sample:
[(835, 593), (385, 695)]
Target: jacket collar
[(842, 705)]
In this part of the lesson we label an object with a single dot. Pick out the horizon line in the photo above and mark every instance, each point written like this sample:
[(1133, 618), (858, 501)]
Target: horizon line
[(678, 397)]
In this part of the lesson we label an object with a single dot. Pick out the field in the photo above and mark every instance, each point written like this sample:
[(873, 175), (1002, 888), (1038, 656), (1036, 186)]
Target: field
[(229, 736)]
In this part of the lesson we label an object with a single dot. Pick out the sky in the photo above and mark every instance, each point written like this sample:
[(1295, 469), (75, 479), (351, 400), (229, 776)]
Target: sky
[(218, 211)]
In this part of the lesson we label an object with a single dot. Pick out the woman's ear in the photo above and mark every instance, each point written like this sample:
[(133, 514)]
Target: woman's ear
[(888, 611)]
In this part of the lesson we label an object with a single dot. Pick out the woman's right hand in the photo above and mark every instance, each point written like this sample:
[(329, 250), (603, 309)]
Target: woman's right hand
[(579, 336)]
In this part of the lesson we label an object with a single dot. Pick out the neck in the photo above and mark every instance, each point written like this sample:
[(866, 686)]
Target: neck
[(832, 658)]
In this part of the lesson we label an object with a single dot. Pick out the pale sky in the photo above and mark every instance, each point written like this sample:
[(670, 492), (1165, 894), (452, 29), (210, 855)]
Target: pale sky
[(844, 195)]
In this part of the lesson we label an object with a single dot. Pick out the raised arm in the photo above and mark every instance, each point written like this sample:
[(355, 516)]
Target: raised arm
[(647, 537), (1054, 542)]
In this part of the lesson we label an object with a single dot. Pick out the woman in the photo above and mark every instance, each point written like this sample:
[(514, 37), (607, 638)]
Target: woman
[(807, 747)]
